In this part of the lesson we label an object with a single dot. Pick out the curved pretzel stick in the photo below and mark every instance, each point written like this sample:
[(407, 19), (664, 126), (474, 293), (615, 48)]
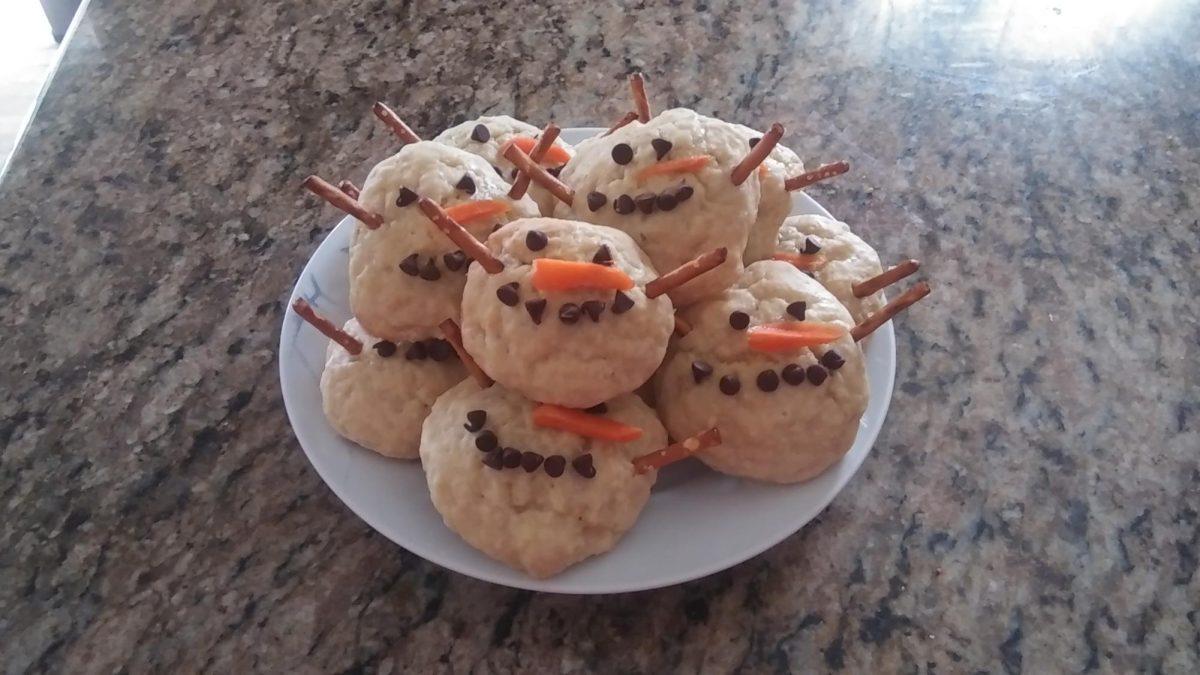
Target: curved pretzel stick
[(885, 278), (897, 305), (454, 336), (816, 175), (757, 155), (460, 236), (342, 201), (521, 184), (327, 328), (679, 451), (682, 327), (637, 83), (397, 125), (686, 272), (626, 119), (350, 189), (539, 175)]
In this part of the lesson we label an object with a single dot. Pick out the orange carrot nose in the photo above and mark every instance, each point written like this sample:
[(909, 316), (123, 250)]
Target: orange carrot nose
[(792, 335), (583, 424), (555, 156), (805, 262), (685, 165), (570, 275), (468, 211)]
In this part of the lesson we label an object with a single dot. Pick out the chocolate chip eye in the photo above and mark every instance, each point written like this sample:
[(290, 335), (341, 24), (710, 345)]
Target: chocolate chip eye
[(466, 184), (480, 134), (508, 294), (385, 348), (811, 247), (661, 147), (754, 142), (739, 320), (797, 309), (536, 240), (475, 420), (701, 371), (622, 154), (405, 197)]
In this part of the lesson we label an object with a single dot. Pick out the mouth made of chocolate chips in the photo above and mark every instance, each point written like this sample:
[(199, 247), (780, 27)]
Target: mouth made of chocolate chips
[(498, 456)]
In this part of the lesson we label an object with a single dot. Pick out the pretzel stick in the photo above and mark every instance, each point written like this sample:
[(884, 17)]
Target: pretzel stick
[(680, 451), (637, 83), (327, 328), (397, 125), (897, 305), (682, 327), (460, 236), (342, 201), (539, 175), (350, 189), (884, 279), (757, 155), (521, 184), (686, 272), (816, 175), (626, 119), (454, 336)]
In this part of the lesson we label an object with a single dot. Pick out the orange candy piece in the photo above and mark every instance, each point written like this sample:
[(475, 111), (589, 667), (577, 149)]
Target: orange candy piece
[(792, 335), (468, 211), (555, 156), (569, 275), (803, 262), (583, 424), (684, 165)]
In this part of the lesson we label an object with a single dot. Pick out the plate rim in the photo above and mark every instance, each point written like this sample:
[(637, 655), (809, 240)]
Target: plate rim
[(885, 334)]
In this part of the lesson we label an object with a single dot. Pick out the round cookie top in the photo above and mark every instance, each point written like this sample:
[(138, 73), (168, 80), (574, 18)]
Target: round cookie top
[(575, 347), (379, 397), (776, 202), (405, 276), (784, 416), (557, 499), (675, 211), (849, 259)]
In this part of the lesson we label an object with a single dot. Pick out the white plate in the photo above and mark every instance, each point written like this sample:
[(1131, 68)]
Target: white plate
[(697, 522)]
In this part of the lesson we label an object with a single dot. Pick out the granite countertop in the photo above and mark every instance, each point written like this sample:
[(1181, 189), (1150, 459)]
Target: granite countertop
[(1032, 505)]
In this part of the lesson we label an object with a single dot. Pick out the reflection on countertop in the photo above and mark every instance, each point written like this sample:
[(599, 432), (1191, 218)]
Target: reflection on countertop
[(1032, 505)]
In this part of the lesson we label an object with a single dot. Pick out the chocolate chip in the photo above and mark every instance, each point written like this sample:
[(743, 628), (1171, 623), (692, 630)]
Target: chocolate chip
[(466, 184), (416, 352), (661, 147), (598, 409), (430, 272), (593, 308), (405, 197), (536, 240), (455, 260), (645, 202), (385, 348), (554, 171), (480, 134), (411, 265), (739, 320), (513, 174), (595, 200), (486, 441), (583, 465), (832, 360), (684, 193), (508, 294), (767, 380), (530, 461), (754, 141), (816, 374), (499, 171), (440, 350), (622, 153), (624, 205), (494, 459), (475, 420), (569, 313), (667, 202), (603, 255), (621, 303), (811, 246), (730, 385), (701, 371), (793, 374), (555, 465), (797, 309), (512, 458), (536, 308)]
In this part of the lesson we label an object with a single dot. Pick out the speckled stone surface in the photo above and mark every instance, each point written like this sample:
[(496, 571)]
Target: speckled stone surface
[(1032, 505)]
